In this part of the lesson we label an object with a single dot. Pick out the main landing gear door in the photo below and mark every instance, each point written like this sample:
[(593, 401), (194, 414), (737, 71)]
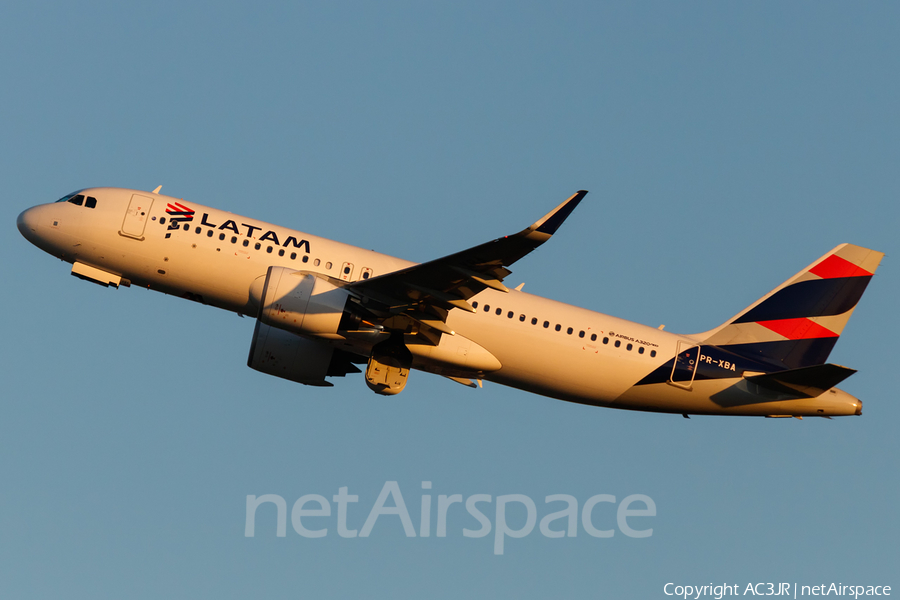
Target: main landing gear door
[(684, 368), (136, 216)]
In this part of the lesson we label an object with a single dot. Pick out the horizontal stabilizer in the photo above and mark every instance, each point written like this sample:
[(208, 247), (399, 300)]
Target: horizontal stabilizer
[(807, 382)]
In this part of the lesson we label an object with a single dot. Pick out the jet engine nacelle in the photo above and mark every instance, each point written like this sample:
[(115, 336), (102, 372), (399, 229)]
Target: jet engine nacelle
[(284, 354), (302, 303)]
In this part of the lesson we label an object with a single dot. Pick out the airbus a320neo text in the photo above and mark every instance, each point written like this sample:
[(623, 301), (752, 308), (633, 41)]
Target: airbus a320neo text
[(325, 309)]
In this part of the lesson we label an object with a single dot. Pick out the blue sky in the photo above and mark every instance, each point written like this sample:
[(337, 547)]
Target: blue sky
[(725, 147)]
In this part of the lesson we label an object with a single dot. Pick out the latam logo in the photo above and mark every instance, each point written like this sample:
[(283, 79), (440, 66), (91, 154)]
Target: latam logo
[(178, 214)]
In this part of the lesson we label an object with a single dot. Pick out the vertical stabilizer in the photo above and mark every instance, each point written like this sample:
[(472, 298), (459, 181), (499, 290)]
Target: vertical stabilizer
[(797, 324)]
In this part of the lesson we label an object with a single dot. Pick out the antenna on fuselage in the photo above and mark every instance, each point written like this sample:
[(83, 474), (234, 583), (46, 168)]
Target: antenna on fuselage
[(156, 191)]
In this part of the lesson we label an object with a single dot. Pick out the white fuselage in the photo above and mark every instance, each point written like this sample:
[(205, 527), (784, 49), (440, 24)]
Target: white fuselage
[(215, 257)]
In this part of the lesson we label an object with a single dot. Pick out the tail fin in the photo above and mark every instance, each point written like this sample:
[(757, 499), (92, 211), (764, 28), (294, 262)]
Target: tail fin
[(797, 324)]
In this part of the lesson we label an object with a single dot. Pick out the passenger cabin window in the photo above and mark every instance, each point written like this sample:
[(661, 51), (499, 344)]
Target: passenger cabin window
[(281, 252), (475, 304), (498, 311), (593, 337), (653, 353), (534, 320)]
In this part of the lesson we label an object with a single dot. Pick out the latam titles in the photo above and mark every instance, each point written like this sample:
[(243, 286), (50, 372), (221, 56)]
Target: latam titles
[(270, 236)]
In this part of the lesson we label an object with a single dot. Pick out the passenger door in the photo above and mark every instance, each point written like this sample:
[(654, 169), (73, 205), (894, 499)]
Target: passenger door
[(136, 216)]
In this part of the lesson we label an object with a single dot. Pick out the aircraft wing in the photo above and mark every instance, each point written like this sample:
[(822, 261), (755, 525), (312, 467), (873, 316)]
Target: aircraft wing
[(427, 291)]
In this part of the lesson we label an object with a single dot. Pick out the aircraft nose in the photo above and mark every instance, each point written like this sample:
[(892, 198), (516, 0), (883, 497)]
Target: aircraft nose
[(27, 223)]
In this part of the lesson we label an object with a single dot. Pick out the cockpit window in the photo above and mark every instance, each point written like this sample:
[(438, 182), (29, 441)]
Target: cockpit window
[(67, 197), (79, 200)]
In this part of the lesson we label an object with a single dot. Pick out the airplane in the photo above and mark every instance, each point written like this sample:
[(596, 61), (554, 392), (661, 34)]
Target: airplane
[(326, 309)]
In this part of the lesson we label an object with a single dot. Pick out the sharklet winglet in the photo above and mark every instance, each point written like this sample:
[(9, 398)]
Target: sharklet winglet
[(552, 220)]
